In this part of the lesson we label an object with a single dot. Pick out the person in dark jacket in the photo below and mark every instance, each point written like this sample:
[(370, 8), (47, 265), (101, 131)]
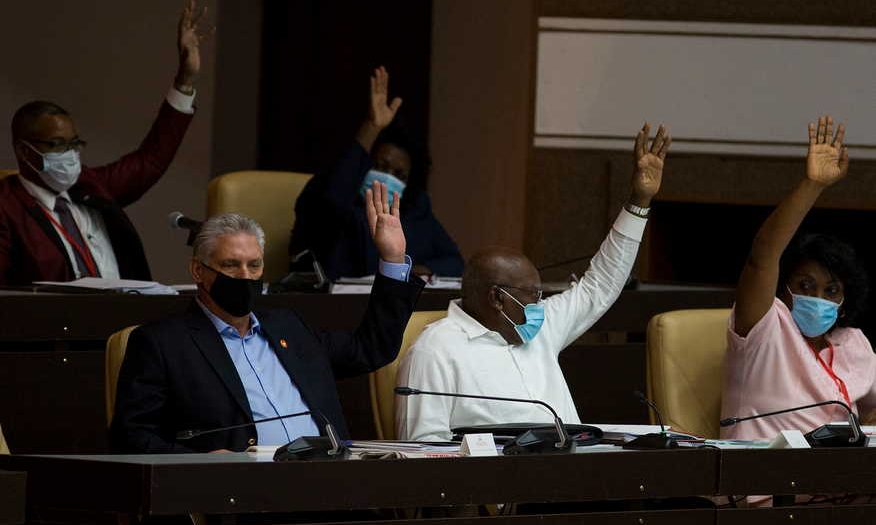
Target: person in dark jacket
[(329, 220)]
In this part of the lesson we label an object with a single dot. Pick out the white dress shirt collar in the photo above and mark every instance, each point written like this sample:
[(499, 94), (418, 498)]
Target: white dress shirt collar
[(42, 195)]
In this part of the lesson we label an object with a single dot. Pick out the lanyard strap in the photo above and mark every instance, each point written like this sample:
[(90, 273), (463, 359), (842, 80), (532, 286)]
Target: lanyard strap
[(83, 251), (840, 384)]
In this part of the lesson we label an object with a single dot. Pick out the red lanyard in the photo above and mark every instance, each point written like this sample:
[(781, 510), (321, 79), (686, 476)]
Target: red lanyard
[(840, 384), (83, 251)]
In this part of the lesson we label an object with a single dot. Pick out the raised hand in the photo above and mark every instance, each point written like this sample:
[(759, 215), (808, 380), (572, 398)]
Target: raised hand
[(384, 223), (189, 37), (828, 160), (648, 169), (381, 113)]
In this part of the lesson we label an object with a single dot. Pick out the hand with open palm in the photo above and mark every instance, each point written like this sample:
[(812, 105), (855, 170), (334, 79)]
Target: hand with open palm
[(828, 160), (648, 169), (385, 223)]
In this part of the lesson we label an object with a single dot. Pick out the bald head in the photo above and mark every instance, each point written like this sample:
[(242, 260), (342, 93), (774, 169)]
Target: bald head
[(497, 265)]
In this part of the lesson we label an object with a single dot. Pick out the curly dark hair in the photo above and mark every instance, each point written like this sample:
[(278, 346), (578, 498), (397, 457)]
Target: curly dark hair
[(398, 135), (840, 261)]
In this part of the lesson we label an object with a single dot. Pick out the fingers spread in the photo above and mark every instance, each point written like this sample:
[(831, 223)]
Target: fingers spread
[(658, 140), (665, 149), (822, 124), (396, 203), (840, 136), (811, 133), (642, 140)]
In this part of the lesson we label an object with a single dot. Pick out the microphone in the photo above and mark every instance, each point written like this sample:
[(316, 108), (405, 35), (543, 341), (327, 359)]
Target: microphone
[(823, 436), (178, 221), (534, 441), (653, 440), (302, 448)]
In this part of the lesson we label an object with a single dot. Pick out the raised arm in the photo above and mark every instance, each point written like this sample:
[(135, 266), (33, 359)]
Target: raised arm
[(380, 114), (826, 163), (128, 178)]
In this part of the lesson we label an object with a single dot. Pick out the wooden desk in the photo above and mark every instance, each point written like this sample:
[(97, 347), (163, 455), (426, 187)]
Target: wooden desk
[(238, 483), (12, 490)]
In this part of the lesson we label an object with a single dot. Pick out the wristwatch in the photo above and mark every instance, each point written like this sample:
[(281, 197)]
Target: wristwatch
[(638, 211)]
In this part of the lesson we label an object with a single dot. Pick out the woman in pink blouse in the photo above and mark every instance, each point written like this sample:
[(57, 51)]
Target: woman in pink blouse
[(791, 340)]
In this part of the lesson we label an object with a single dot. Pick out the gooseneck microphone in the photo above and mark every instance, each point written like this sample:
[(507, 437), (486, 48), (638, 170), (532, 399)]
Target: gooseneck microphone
[(652, 440), (180, 222), (189, 434), (823, 436), (530, 441), (302, 448)]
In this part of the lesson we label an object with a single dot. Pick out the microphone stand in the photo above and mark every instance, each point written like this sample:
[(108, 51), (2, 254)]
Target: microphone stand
[(531, 441), (652, 441), (823, 436), (302, 448)]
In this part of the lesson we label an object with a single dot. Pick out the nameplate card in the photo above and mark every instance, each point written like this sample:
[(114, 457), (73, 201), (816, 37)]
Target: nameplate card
[(478, 445)]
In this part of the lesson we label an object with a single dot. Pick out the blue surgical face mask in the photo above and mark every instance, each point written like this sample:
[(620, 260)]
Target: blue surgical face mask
[(534, 314), (814, 316), (393, 184)]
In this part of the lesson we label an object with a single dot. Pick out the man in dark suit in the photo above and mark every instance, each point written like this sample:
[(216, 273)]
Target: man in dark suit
[(220, 364), (60, 220)]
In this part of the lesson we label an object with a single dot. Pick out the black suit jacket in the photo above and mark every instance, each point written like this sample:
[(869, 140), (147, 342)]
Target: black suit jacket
[(178, 375)]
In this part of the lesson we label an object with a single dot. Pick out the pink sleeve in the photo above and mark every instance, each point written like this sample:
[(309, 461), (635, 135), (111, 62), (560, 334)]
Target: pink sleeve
[(765, 329)]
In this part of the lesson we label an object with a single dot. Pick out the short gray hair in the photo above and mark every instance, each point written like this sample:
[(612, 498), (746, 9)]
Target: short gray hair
[(225, 224)]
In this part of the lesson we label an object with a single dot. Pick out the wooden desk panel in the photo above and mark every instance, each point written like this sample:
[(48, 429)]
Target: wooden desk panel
[(801, 471), (12, 491), (235, 483), (799, 515)]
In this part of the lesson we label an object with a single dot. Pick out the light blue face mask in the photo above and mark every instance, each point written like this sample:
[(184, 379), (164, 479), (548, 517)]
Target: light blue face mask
[(534, 313), (814, 316), (393, 184)]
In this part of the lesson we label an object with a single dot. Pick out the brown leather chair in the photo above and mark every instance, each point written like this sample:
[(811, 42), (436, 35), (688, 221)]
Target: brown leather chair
[(685, 368), (269, 198), (382, 382), (4, 448), (115, 354)]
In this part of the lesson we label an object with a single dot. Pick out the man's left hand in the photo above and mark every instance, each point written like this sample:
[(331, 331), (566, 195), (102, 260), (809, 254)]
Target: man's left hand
[(384, 223), (189, 37), (648, 170)]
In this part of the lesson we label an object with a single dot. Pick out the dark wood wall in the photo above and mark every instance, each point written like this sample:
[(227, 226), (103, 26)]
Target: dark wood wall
[(317, 57)]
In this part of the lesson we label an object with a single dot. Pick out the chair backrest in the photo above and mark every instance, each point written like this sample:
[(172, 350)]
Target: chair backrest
[(6, 173), (381, 382), (115, 354), (269, 198), (685, 368), (4, 448)]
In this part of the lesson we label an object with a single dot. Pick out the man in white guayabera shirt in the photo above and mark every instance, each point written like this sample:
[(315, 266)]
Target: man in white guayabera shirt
[(502, 339)]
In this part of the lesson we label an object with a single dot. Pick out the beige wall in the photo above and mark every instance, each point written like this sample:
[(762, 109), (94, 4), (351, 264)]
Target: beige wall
[(110, 64)]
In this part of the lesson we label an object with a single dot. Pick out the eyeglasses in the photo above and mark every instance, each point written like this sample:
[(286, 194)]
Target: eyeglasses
[(61, 146), (537, 292)]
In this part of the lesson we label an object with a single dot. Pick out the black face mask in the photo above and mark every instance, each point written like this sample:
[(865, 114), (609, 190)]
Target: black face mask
[(235, 296)]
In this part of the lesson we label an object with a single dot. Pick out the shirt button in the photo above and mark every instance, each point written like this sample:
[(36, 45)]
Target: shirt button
[(251, 442)]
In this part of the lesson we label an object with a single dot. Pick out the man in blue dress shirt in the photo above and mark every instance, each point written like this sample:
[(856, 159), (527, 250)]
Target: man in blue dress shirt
[(222, 364)]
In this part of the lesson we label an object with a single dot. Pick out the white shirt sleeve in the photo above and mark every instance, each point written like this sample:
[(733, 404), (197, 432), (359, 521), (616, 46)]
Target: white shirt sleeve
[(573, 312), (180, 101), (423, 417)]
